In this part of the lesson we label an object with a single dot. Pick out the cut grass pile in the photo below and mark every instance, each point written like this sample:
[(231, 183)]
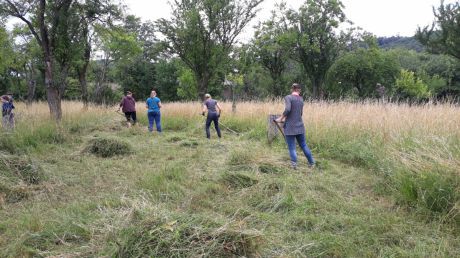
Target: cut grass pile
[(17, 175), (106, 147), (187, 236)]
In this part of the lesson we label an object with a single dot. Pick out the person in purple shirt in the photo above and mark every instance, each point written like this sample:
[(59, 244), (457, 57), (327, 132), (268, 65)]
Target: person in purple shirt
[(294, 128), (153, 105), (128, 106)]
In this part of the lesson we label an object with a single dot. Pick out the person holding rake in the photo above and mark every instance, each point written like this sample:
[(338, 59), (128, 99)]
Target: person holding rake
[(294, 128)]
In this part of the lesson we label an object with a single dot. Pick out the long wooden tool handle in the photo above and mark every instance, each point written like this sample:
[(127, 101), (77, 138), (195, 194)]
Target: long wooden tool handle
[(279, 127)]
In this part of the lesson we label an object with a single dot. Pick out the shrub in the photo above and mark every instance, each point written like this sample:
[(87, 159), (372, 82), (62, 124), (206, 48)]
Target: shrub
[(408, 86)]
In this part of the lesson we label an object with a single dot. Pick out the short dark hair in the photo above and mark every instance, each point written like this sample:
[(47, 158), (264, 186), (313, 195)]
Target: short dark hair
[(296, 86)]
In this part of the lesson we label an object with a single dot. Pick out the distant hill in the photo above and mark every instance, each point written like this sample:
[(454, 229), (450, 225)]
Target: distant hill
[(400, 42)]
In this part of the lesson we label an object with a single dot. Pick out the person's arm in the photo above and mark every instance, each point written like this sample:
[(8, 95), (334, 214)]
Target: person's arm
[(159, 105), (121, 104), (220, 108), (147, 104), (287, 110), (205, 108)]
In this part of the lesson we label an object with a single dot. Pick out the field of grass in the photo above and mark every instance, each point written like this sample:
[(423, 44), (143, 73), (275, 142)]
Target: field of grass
[(386, 184)]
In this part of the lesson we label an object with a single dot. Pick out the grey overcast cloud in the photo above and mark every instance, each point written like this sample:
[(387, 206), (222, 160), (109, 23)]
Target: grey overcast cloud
[(382, 18)]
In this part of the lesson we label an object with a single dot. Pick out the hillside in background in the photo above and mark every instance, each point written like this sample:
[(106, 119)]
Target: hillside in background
[(400, 42)]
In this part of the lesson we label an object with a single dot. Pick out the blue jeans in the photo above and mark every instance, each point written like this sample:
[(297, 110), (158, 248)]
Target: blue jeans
[(290, 140), (212, 117), (154, 117)]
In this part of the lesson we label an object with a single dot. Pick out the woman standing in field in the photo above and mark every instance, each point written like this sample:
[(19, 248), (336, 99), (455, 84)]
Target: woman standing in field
[(294, 128), (128, 106), (213, 116), (153, 105)]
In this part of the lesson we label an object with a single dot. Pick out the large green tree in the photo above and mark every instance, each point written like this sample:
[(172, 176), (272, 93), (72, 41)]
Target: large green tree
[(443, 36), (358, 72), (202, 33), (316, 41), (272, 47), (54, 25), (90, 14), (6, 58)]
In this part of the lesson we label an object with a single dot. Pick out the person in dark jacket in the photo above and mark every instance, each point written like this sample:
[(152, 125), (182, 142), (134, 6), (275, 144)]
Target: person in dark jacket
[(211, 106), (128, 106), (8, 121), (294, 128)]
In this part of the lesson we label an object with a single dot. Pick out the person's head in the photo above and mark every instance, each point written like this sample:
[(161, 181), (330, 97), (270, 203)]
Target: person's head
[(207, 96), (153, 94), (296, 88), (129, 93)]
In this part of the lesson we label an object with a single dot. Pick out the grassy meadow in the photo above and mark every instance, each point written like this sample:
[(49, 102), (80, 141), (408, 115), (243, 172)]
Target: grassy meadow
[(386, 184)]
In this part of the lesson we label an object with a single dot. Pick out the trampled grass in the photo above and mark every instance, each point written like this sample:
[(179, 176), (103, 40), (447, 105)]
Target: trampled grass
[(386, 184)]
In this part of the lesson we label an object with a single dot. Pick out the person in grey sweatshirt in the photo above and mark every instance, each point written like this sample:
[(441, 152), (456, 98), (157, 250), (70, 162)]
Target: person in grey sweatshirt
[(294, 128)]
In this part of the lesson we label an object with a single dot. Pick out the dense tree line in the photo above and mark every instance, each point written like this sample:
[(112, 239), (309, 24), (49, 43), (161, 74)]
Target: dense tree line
[(92, 50)]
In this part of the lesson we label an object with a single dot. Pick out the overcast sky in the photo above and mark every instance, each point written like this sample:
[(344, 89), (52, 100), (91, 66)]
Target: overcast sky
[(380, 17)]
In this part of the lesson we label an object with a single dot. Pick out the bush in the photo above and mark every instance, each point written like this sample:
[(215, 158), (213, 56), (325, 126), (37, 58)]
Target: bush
[(105, 147), (408, 86)]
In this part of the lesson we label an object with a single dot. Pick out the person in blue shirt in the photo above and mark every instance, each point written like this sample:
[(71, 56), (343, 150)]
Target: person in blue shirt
[(153, 106)]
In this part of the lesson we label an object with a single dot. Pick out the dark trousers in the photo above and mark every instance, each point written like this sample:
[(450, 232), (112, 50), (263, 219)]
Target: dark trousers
[(212, 117), (131, 116)]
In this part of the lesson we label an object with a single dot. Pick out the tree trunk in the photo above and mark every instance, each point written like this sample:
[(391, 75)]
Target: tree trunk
[(203, 83), (52, 93), (31, 82), (82, 70), (100, 83), (31, 87), (315, 90)]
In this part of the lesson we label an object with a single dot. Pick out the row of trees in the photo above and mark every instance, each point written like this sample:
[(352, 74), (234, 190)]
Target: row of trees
[(93, 51)]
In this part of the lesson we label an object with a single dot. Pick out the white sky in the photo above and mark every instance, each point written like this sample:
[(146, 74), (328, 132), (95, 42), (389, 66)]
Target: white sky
[(380, 17)]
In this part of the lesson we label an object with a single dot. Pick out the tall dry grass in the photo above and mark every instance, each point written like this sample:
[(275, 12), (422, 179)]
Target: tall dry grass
[(392, 120)]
